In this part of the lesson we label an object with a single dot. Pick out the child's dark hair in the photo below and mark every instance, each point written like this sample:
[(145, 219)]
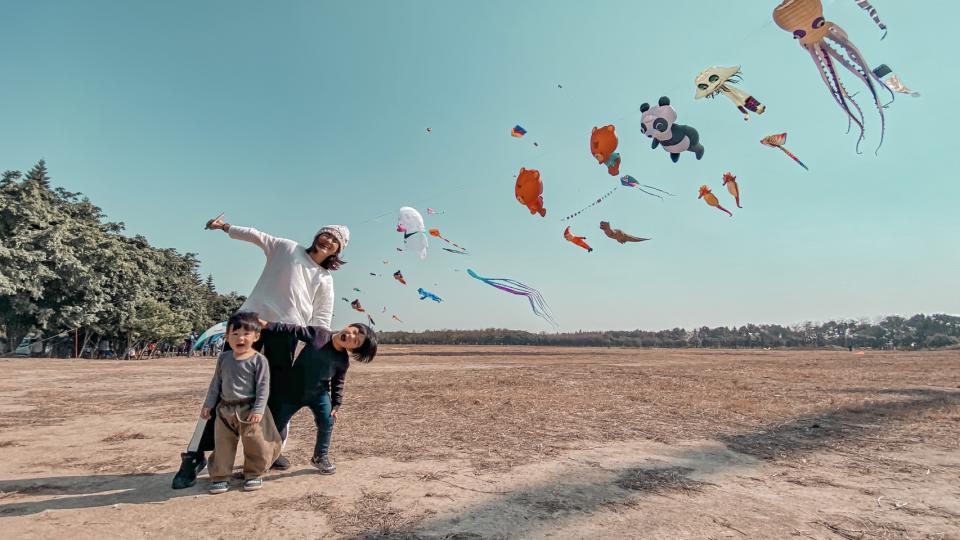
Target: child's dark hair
[(247, 320), (365, 353)]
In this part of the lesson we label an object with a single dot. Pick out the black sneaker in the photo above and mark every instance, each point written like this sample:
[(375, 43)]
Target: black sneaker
[(191, 463), (323, 463), (281, 464)]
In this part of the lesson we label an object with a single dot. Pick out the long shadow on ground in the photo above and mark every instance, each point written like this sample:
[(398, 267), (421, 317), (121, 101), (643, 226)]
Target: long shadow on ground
[(521, 513)]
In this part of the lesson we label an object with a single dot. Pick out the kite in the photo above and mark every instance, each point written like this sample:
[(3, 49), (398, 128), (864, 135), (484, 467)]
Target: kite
[(831, 49), (591, 205), (518, 131), (455, 251), (356, 305), (778, 141), (386, 262), (425, 294), (436, 233), (537, 302), (345, 299), (399, 277), (369, 318), (433, 212), (893, 82), (865, 5), (658, 124), (603, 146), (374, 274), (714, 81), (394, 317), (629, 181), (529, 191), (711, 199), (410, 223), (730, 181), (357, 290), (429, 130), (619, 235), (576, 240), (384, 310)]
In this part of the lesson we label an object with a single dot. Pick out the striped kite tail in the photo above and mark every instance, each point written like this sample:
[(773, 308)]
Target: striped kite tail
[(872, 11)]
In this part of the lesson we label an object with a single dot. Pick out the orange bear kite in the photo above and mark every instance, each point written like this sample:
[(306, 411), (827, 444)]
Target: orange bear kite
[(529, 191), (603, 146)]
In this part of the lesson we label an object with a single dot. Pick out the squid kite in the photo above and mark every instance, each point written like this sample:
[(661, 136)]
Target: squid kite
[(629, 181), (730, 181), (425, 294), (576, 240), (778, 141), (399, 277), (436, 233), (711, 199), (603, 146), (714, 81), (537, 302), (619, 235), (831, 49), (893, 82), (410, 223), (356, 305)]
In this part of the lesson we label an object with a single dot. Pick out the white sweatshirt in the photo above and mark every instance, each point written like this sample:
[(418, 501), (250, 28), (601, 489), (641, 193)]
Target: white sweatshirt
[(292, 288)]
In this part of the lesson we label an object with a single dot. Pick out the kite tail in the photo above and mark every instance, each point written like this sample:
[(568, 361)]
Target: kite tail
[(872, 11), (795, 158)]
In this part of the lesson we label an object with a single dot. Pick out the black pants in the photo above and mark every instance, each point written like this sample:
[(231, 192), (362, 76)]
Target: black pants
[(279, 349)]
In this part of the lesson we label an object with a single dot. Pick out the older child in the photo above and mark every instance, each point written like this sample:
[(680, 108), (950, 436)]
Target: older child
[(239, 391), (317, 377)]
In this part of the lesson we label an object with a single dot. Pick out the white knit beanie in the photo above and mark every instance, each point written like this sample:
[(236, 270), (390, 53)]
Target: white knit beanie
[(340, 232)]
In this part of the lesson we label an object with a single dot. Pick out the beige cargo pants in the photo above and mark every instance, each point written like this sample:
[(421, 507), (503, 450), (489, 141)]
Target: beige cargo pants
[(261, 442)]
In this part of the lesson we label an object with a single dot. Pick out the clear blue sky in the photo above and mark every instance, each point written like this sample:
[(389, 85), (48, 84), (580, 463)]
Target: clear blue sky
[(291, 115)]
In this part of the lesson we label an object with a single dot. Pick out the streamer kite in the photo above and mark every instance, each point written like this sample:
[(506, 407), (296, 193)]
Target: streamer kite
[(711, 199), (427, 295), (410, 223), (730, 181), (436, 233), (778, 141), (619, 235), (629, 181), (599, 200), (576, 240), (512, 286), (714, 81)]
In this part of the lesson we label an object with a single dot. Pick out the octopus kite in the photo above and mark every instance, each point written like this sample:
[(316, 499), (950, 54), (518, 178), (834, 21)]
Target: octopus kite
[(425, 295), (537, 303), (711, 199), (399, 277), (619, 235), (356, 305), (730, 181), (603, 146), (829, 47), (576, 240), (778, 141), (714, 81), (436, 233)]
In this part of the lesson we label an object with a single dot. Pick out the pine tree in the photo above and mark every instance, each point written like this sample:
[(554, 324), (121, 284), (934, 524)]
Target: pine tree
[(38, 174), (210, 286)]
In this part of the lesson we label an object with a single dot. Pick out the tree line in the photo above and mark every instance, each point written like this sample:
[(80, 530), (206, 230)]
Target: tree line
[(68, 272)]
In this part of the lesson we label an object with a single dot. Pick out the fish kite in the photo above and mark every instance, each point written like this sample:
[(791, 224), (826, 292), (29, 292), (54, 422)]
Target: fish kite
[(714, 81), (778, 141), (619, 235), (832, 51), (518, 131), (599, 200), (893, 82), (658, 123), (629, 181), (603, 146), (399, 277), (711, 199), (436, 233), (356, 305), (425, 294), (537, 302), (410, 223), (529, 191), (576, 240), (730, 181)]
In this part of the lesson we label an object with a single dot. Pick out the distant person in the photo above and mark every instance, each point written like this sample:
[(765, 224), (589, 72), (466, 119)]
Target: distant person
[(239, 392), (295, 287), (317, 378)]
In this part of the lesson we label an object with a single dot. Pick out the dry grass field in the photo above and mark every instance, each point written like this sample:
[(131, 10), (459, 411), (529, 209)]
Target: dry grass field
[(509, 442)]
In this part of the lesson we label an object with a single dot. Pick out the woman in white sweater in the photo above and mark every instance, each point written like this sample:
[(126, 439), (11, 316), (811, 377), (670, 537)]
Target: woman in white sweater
[(295, 287)]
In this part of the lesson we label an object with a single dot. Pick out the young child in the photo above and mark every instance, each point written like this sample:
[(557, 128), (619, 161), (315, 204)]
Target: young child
[(317, 377), (239, 390)]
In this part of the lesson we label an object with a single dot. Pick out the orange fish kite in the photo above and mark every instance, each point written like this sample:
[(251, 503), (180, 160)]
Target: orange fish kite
[(576, 240), (711, 199), (730, 181), (529, 191)]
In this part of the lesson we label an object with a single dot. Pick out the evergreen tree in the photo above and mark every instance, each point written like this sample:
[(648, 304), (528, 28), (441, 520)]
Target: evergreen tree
[(38, 175)]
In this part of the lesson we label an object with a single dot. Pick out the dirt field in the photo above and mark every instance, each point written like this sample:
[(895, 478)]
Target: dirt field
[(493, 442)]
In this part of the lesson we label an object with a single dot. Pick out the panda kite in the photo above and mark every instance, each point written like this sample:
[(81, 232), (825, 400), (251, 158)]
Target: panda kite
[(658, 124)]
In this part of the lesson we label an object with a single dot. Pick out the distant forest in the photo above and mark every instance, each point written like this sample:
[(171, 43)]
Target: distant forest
[(893, 332)]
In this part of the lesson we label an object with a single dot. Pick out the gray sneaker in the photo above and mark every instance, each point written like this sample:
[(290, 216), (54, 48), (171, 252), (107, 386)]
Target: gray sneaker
[(323, 464), (217, 488), (253, 484)]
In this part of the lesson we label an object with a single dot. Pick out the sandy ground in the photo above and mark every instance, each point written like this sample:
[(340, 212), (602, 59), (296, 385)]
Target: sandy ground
[(498, 442)]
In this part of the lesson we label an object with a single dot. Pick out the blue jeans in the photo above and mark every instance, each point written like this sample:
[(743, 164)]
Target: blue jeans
[(283, 411)]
